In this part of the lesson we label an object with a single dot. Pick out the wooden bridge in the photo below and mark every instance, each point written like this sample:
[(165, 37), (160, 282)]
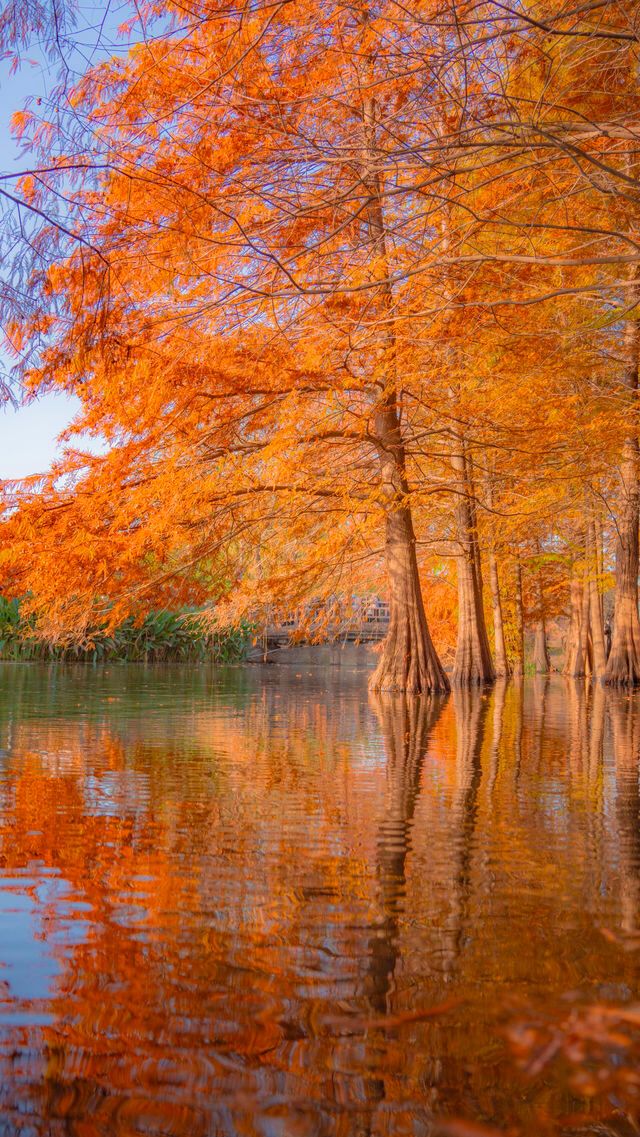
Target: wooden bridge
[(362, 620)]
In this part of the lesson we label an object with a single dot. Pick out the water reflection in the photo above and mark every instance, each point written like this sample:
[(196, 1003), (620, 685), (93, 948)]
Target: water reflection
[(405, 726), (260, 902), (625, 724)]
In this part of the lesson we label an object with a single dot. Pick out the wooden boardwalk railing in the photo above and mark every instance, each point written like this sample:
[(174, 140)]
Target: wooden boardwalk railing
[(364, 620)]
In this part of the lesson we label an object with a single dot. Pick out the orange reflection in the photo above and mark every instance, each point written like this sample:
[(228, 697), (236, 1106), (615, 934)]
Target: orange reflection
[(276, 908)]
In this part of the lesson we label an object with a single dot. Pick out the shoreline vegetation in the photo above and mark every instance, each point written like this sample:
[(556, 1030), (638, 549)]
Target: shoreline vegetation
[(165, 636), (161, 636)]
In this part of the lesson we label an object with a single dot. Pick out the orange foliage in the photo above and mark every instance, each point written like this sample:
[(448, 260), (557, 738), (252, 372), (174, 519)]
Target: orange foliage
[(291, 223)]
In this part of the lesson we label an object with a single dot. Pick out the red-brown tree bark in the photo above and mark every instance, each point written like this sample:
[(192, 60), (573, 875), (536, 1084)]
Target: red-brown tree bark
[(541, 660), (518, 662), (595, 605), (408, 661), (473, 665), (502, 667), (575, 656), (579, 651), (623, 665)]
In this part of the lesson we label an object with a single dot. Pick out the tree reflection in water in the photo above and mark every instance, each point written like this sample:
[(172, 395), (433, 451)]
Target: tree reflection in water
[(405, 726), (625, 723), (258, 903)]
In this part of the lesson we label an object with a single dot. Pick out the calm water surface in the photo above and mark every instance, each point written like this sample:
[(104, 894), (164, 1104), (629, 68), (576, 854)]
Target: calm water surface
[(261, 902)]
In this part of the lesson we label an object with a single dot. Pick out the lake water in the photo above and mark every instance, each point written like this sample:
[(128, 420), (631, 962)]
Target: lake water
[(260, 901)]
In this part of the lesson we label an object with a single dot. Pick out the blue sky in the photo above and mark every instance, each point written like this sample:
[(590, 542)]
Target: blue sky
[(28, 435)]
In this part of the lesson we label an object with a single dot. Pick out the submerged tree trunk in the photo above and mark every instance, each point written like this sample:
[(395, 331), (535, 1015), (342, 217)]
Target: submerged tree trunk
[(623, 665), (473, 665), (408, 661), (518, 663)]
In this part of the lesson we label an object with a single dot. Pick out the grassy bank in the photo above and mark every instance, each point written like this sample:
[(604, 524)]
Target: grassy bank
[(161, 636)]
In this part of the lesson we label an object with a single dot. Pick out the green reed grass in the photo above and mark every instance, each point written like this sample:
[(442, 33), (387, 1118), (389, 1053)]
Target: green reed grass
[(161, 636)]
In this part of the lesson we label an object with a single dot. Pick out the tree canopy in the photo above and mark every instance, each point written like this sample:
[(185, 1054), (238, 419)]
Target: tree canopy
[(350, 293)]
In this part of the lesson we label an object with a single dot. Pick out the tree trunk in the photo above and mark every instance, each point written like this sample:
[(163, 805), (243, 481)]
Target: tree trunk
[(518, 663), (502, 663), (574, 653), (576, 649), (623, 665), (408, 661), (600, 561), (473, 665), (473, 513), (541, 661), (586, 623), (595, 605)]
